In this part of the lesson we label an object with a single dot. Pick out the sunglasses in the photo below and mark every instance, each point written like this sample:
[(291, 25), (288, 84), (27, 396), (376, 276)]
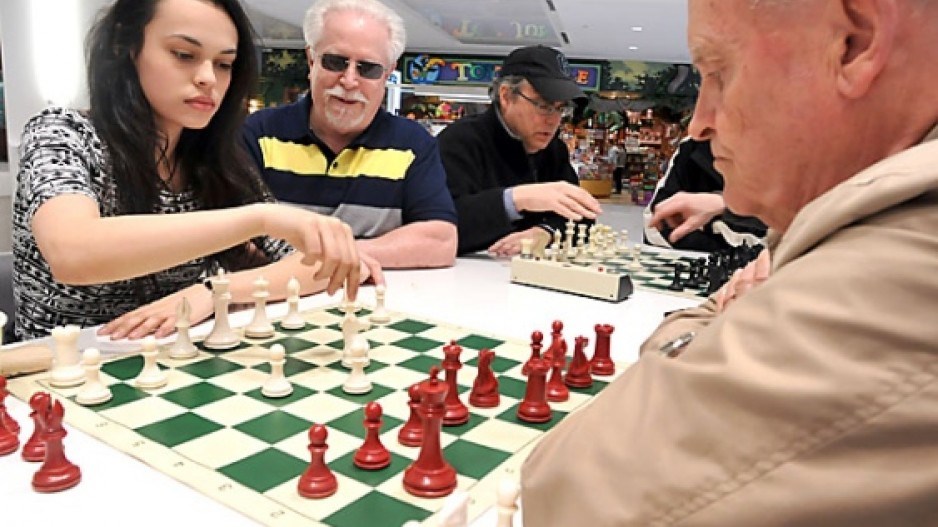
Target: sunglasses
[(339, 64)]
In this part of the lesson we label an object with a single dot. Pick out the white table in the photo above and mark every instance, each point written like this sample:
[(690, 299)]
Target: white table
[(117, 490)]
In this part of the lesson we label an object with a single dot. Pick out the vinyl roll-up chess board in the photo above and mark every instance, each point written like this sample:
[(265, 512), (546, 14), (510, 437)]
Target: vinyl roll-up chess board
[(212, 429)]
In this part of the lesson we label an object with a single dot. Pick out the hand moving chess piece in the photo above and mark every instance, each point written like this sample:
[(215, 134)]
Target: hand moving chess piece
[(183, 348), (430, 476), (484, 393), (277, 385), (222, 337), (66, 368), (260, 327), (94, 391), (317, 481), (372, 455), (380, 314), (57, 472), (151, 376), (293, 320)]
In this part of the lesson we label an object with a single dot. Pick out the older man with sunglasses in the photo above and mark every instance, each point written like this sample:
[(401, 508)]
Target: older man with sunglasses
[(509, 173), (335, 151)]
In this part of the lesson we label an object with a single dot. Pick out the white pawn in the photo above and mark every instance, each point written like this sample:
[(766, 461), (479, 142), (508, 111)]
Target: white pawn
[(357, 382), (293, 320), (222, 337), (380, 314), (183, 348), (260, 327), (507, 501), (455, 511), (636, 263), (277, 385), (151, 376), (352, 327), (66, 368), (94, 391)]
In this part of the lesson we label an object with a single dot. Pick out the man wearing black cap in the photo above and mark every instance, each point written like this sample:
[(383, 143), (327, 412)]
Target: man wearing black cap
[(509, 173)]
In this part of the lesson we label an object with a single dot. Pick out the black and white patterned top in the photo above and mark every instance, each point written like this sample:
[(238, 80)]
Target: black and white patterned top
[(62, 154)]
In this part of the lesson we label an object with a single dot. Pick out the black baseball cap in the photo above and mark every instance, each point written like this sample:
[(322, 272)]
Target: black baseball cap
[(546, 69)]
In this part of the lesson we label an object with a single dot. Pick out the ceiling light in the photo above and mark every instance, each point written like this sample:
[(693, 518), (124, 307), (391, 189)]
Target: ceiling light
[(633, 48), (637, 28)]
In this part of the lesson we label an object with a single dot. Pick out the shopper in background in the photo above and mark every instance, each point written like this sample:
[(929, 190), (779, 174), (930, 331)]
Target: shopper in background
[(810, 398), (509, 173), (337, 152)]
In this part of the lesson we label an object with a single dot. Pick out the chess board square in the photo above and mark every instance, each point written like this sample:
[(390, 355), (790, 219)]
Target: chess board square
[(274, 426), (291, 344), (291, 367), (389, 354), (340, 344), (472, 459), (458, 430), (499, 364), (594, 389), (265, 469), (410, 326), (233, 410), (220, 447), (350, 491), (352, 423), (211, 367), (120, 394), (511, 416), (177, 430), (125, 368), (420, 363), (197, 395), (142, 411), (386, 335), (373, 366), (478, 342), (512, 387), (337, 311), (280, 329), (396, 377), (299, 392), (501, 434), (376, 505), (240, 345), (321, 335), (346, 465), (320, 408)]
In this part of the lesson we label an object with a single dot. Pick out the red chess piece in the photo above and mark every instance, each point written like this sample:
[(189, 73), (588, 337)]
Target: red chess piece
[(411, 434), (35, 447), (578, 375), (57, 472), (372, 455), (317, 481), (536, 338), (6, 420), (534, 407), (601, 364), (557, 391), (484, 392), (430, 476), (556, 337), (456, 412)]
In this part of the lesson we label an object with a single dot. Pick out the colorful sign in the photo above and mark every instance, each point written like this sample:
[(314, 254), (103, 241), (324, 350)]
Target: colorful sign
[(435, 69)]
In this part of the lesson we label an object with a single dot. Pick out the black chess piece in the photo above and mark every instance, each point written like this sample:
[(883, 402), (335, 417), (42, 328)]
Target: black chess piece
[(676, 284)]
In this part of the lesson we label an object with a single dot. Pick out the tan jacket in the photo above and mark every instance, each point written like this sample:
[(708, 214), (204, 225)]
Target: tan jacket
[(812, 400)]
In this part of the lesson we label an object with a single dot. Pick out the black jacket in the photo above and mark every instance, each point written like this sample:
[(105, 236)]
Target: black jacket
[(481, 160)]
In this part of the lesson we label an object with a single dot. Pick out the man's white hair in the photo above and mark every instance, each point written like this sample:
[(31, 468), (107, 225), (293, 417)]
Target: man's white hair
[(315, 21)]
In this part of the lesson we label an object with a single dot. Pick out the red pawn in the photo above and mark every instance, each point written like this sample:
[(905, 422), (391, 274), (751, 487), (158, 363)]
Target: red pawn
[(578, 375), (372, 455), (6, 420), (601, 364), (411, 434), (556, 337), (35, 447), (430, 476), (317, 481), (456, 412), (57, 472), (536, 338), (557, 391), (534, 407), (484, 392)]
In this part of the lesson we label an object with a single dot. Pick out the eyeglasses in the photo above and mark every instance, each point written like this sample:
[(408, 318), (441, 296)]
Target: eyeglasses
[(547, 110), (338, 64)]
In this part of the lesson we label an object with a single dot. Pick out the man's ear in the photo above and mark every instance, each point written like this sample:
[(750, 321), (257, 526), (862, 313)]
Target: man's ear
[(872, 27), (309, 55)]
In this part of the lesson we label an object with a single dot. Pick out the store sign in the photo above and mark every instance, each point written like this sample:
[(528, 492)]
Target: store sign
[(430, 69)]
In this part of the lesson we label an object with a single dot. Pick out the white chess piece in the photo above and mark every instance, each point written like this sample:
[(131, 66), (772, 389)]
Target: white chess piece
[(182, 347), (455, 511), (94, 391), (348, 306), (293, 320), (277, 385), (151, 376), (352, 327), (636, 263), (507, 501), (357, 382), (260, 327), (380, 314), (222, 337), (66, 366)]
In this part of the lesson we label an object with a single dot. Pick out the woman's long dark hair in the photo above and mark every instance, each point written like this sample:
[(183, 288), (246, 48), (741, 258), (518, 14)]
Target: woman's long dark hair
[(219, 171)]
